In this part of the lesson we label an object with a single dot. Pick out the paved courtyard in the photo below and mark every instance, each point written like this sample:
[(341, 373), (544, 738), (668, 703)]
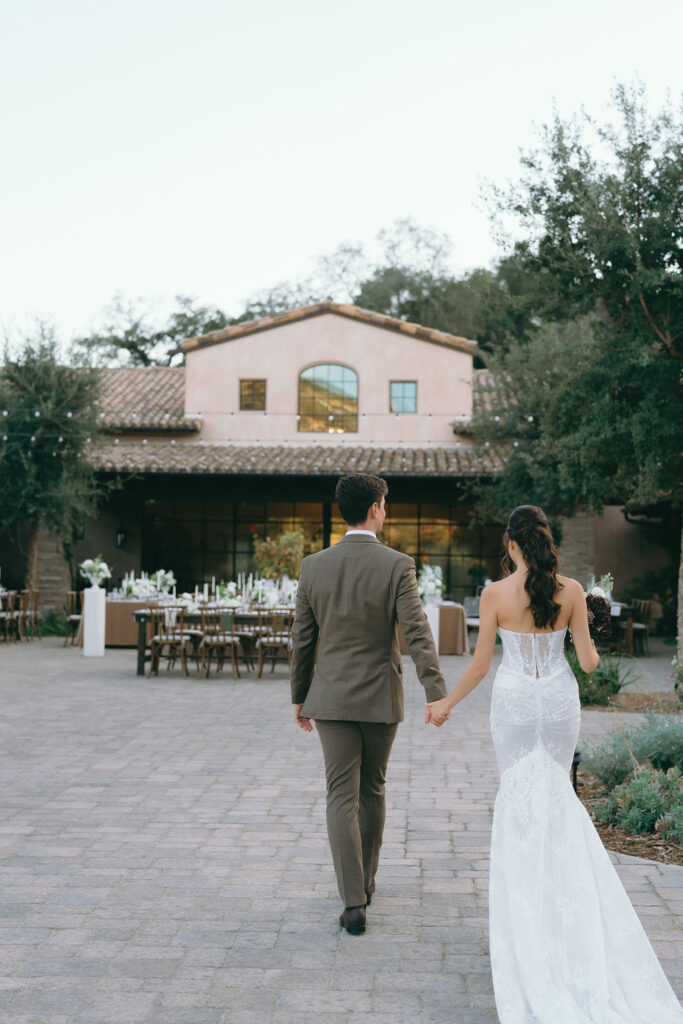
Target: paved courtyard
[(163, 857)]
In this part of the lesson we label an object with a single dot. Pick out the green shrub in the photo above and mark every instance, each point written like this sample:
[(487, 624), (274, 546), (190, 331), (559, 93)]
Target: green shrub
[(53, 623), (637, 805), (670, 825), (658, 741), (611, 762), (612, 675)]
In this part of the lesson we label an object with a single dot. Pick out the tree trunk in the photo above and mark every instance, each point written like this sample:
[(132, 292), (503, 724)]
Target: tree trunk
[(679, 631), (32, 559)]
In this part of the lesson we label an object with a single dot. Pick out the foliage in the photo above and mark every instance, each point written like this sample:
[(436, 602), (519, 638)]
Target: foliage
[(644, 800), (280, 557), (601, 216), (409, 278), (601, 210), (611, 676), (676, 676), (129, 336), (670, 825), (49, 416), (657, 741), (53, 623)]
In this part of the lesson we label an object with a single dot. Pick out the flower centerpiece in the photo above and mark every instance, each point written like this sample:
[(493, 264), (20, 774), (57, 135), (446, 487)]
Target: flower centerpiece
[(599, 611), (430, 585), (95, 570), (164, 580)]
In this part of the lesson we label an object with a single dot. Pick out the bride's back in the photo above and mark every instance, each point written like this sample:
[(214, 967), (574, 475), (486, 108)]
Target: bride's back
[(513, 610)]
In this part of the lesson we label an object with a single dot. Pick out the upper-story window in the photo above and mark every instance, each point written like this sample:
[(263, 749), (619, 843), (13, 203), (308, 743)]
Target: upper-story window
[(252, 395), (403, 395), (328, 399)]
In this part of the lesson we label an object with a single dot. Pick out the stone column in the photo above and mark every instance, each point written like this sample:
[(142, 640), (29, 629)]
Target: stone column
[(54, 577), (577, 551)]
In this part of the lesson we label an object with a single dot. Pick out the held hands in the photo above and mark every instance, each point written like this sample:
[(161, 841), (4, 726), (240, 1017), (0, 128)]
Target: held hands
[(304, 723), (437, 712)]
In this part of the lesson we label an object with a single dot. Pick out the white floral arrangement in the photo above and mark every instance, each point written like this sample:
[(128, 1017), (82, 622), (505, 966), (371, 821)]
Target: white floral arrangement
[(187, 601), (95, 570), (164, 579), (227, 591), (603, 588), (430, 585), (143, 588)]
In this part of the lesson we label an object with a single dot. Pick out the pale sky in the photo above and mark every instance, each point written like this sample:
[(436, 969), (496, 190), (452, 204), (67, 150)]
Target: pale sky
[(217, 148)]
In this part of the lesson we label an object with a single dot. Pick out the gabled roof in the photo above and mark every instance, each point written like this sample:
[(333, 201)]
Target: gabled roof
[(145, 398), (389, 323), (289, 460)]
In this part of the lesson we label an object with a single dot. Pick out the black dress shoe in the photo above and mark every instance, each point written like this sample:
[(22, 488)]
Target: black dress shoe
[(369, 892), (353, 919)]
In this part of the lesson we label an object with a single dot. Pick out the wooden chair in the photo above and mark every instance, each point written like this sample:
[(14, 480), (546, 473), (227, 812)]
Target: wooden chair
[(7, 614), (641, 626), (471, 605), (216, 642), (169, 639), (74, 604), (245, 627), (33, 614), (275, 635)]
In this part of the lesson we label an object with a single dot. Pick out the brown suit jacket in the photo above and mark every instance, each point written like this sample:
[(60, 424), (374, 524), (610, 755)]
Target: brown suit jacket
[(349, 600)]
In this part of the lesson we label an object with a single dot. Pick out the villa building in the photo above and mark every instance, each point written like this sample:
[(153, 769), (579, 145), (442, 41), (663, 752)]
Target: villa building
[(251, 434)]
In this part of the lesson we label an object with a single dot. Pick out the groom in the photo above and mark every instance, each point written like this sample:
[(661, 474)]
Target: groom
[(346, 674)]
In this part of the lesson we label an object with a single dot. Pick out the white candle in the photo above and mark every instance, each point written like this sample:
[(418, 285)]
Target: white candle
[(206, 591), (174, 592), (196, 593), (159, 581), (213, 584)]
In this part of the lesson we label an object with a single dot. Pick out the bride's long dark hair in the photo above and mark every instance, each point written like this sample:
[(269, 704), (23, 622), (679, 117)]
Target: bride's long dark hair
[(528, 526)]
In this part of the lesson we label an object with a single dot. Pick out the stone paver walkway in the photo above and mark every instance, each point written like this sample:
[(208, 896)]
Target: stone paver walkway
[(163, 858)]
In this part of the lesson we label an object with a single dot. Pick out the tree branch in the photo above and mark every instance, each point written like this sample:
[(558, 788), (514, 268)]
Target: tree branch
[(664, 336)]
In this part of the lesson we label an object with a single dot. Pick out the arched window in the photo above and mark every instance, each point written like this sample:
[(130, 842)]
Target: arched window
[(328, 399)]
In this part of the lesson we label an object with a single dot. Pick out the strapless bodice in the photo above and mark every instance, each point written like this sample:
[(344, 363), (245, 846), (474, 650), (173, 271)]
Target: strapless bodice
[(533, 654)]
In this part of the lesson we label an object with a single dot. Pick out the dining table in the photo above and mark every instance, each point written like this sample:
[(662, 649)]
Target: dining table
[(448, 626), (191, 619)]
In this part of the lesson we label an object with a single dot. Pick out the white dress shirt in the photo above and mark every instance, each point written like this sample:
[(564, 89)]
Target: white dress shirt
[(370, 533)]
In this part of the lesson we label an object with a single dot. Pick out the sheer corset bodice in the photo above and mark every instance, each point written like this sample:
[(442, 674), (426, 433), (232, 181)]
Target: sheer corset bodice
[(533, 654)]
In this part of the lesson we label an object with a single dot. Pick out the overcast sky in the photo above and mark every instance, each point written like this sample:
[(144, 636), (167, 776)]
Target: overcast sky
[(217, 148)]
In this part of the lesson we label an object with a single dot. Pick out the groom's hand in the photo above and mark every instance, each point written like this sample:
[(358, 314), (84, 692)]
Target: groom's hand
[(437, 712), (304, 723)]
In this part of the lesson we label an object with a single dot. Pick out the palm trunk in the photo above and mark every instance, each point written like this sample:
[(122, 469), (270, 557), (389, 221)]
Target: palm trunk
[(32, 559)]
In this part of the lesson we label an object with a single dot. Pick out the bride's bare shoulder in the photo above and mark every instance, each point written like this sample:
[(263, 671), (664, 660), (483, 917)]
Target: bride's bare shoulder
[(569, 584)]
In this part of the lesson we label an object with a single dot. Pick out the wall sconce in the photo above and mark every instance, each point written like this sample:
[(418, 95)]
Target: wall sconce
[(120, 537)]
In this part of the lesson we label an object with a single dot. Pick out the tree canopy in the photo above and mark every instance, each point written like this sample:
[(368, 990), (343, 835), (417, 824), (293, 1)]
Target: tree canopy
[(588, 410), (50, 417)]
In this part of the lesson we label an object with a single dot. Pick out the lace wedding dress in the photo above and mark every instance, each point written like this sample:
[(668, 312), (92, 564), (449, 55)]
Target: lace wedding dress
[(566, 945)]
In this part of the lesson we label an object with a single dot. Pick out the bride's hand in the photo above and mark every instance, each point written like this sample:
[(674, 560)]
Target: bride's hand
[(437, 712)]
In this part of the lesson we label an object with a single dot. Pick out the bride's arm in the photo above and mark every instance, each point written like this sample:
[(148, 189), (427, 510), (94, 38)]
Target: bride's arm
[(439, 711), (589, 659)]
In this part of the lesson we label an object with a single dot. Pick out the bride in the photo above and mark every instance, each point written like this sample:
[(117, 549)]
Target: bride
[(566, 945)]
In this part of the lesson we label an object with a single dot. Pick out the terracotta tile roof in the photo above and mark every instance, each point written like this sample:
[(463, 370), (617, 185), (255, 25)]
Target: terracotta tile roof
[(390, 323), (288, 460), (145, 398)]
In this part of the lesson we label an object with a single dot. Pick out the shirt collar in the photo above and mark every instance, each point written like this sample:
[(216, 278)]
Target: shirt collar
[(369, 533)]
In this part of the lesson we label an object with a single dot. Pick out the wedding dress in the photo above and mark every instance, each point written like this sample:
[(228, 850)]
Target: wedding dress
[(566, 945)]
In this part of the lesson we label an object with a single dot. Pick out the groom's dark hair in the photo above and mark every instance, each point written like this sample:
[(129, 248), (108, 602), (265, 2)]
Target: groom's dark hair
[(355, 494)]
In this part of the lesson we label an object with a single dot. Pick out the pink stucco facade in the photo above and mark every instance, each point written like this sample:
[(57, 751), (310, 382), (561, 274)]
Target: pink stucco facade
[(377, 354)]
